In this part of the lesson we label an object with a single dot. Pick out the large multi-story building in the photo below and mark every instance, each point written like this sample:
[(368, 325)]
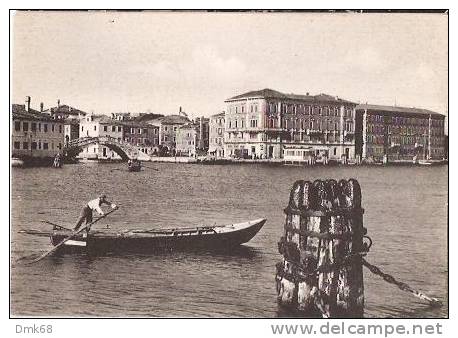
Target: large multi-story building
[(269, 124), (387, 133), (35, 134), (216, 135)]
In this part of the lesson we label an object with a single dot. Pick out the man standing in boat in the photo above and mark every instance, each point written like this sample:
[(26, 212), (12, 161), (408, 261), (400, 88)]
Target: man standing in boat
[(95, 204)]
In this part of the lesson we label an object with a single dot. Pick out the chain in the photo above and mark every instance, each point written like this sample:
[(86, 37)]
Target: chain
[(403, 286), (320, 303), (302, 274)]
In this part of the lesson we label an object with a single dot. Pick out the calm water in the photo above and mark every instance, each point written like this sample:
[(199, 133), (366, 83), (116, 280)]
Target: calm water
[(406, 216)]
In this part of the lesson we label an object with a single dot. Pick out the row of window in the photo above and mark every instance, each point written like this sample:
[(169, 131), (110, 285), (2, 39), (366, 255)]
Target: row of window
[(113, 128), (312, 124), (141, 131), (140, 140), (273, 108), (218, 131), (35, 145), (380, 129), (400, 120), (218, 140), (106, 128), (34, 126), (253, 108), (118, 129), (165, 138), (236, 124), (219, 121), (174, 128)]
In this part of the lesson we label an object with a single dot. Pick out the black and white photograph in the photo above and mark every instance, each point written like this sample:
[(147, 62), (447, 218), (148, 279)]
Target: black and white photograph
[(229, 164)]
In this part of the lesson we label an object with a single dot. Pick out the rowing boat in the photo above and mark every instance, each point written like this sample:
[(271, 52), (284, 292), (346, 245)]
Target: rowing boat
[(136, 240), (134, 166)]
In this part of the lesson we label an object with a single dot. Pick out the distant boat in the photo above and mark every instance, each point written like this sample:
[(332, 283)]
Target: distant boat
[(135, 240), (17, 162), (134, 165), (432, 162)]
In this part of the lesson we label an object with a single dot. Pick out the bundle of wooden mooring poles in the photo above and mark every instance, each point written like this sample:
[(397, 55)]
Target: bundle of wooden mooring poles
[(321, 273)]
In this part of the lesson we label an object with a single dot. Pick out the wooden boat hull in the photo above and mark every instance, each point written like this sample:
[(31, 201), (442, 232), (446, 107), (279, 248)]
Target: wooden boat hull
[(134, 168), (206, 238)]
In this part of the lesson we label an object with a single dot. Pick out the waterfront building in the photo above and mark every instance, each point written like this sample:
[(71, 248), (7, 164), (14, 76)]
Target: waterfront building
[(216, 135), (35, 135), (268, 124), (143, 135), (192, 138), (168, 126), (387, 133), (93, 125), (186, 140), (71, 117)]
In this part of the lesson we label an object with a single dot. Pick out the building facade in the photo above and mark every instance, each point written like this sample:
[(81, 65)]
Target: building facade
[(168, 127), (35, 134), (71, 117), (387, 133), (93, 125), (268, 124), (192, 138), (71, 129), (143, 135), (216, 135), (187, 140)]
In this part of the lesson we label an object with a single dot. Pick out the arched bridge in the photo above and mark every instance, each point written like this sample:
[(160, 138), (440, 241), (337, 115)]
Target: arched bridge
[(124, 149)]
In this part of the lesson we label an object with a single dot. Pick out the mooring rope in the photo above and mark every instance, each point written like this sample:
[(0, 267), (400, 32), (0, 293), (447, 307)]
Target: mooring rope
[(403, 286)]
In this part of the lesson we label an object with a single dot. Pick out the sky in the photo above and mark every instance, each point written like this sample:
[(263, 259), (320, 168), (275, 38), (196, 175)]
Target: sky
[(106, 62)]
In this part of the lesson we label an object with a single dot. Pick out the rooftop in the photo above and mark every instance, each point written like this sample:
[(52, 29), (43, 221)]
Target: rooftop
[(273, 94), (137, 124), (174, 119), (222, 114), (65, 109), (104, 119), (148, 117), (395, 109), (19, 112)]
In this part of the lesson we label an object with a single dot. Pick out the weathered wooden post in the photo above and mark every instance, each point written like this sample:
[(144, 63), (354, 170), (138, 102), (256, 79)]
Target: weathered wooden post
[(322, 248)]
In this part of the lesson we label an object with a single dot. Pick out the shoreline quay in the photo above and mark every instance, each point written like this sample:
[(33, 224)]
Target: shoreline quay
[(231, 161)]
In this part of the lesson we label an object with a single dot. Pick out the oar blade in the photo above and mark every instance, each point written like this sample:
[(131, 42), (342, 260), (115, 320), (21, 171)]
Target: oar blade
[(57, 246)]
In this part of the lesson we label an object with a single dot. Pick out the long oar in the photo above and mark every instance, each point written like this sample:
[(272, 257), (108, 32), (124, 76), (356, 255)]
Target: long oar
[(70, 237), (56, 225), (144, 166)]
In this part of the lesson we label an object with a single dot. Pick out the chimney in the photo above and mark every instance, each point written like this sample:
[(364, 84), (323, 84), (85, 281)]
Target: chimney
[(27, 103), (58, 102), (180, 111), (41, 107)]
